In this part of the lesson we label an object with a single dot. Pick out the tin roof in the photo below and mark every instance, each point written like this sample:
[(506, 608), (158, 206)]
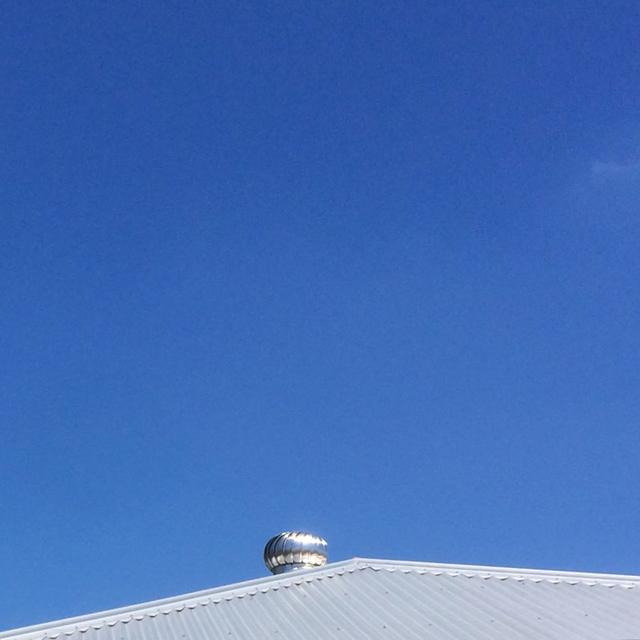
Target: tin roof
[(375, 599)]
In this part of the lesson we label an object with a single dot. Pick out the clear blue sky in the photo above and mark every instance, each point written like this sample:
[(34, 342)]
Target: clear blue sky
[(368, 269)]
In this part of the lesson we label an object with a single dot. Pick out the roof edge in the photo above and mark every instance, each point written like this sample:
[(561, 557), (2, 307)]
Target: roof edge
[(161, 603), (510, 571), (271, 582)]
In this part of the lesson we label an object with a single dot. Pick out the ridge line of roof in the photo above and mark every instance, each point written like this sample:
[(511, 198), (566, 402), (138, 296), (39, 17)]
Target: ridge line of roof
[(357, 563), (559, 573), (171, 600)]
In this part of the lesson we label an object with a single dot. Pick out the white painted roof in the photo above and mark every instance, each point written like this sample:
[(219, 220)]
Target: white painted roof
[(376, 599)]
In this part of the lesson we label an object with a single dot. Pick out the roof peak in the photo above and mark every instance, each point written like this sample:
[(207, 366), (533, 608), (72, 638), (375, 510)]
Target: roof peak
[(240, 589)]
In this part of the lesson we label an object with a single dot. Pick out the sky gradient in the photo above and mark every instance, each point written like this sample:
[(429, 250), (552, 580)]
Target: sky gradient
[(367, 269)]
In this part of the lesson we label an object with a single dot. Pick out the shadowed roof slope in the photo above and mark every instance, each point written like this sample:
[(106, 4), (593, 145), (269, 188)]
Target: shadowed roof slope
[(375, 599)]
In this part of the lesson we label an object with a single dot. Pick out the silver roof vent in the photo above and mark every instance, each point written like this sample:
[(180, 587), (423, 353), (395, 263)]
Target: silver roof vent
[(292, 550)]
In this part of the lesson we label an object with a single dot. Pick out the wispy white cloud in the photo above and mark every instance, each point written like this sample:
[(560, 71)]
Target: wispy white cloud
[(605, 194), (601, 169)]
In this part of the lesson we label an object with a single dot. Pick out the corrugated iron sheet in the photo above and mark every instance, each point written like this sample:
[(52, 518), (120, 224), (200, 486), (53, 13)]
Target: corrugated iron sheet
[(375, 599)]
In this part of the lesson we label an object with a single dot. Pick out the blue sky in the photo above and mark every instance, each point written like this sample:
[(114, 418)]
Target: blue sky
[(367, 269)]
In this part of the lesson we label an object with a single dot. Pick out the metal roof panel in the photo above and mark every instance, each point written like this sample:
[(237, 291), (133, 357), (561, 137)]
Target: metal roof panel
[(371, 599)]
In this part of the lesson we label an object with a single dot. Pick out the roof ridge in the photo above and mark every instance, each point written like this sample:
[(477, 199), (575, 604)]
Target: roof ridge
[(174, 602), (510, 571), (252, 587)]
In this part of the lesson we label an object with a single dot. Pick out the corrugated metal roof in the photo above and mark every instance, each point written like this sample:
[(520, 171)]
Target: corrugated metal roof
[(377, 599)]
